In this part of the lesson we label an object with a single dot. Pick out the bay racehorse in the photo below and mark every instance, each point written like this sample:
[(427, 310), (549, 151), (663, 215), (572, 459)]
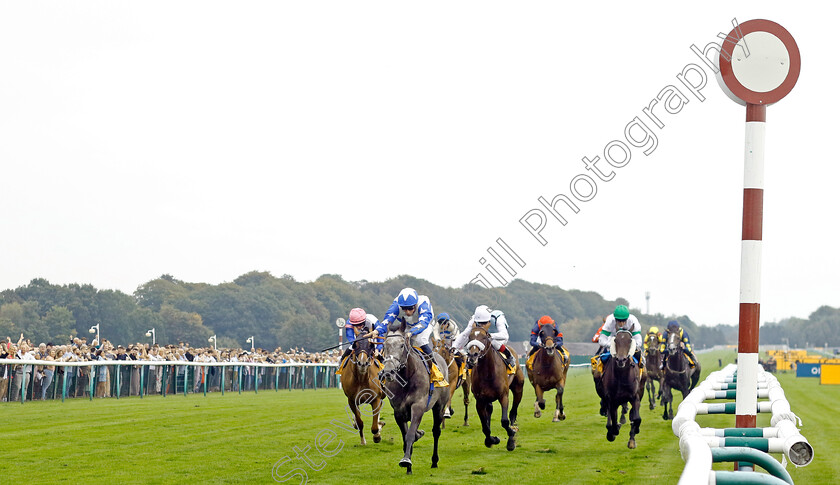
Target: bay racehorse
[(360, 382), (677, 374), (622, 381), (444, 348), (548, 371), (406, 381), (490, 382), (653, 357)]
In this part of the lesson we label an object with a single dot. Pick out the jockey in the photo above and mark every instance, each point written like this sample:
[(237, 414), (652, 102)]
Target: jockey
[(621, 319), (674, 327), (415, 311), (597, 335), (447, 328), (657, 334), (359, 322), (535, 334), (484, 317)]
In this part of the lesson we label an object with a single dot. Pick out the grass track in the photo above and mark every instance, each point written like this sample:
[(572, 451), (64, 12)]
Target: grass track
[(238, 438)]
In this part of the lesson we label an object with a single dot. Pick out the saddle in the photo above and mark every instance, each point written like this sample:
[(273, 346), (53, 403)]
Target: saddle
[(435, 375), (564, 354), (375, 362)]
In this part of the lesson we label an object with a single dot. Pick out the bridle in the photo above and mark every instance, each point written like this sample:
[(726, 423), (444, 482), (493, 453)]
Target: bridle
[(474, 357), (621, 362), (674, 350), (397, 364)]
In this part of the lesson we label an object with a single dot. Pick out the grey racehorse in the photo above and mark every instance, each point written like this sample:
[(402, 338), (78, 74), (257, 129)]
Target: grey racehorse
[(406, 382)]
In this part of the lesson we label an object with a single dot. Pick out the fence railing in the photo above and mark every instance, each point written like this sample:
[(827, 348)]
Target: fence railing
[(19, 380)]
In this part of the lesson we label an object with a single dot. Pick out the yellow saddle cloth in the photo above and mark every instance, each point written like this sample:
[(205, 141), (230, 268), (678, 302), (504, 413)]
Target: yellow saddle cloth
[(564, 354), (343, 364), (434, 373)]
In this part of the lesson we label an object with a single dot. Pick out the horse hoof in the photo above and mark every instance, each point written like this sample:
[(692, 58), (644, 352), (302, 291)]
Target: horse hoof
[(610, 437), (493, 440), (447, 414), (406, 463), (631, 444), (537, 414), (364, 442), (555, 420), (623, 420), (511, 445), (542, 405), (434, 465), (377, 438), (652, 407), (603, 412)]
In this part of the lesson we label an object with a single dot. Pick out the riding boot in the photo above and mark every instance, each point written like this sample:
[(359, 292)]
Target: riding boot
[(511, 362), (434, 373), (342, 362), (691, 358)]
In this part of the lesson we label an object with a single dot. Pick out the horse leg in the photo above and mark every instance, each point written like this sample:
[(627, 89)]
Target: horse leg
[(360, 425), (466, 388), (623, 415), (540, 402), (666, 400), (612, 419), (517, 387), (511, 442), (650, 387), (412, 434), (484, 411), (559, 415), (599, 388), (635, 420), (376, 425), (436, 427)]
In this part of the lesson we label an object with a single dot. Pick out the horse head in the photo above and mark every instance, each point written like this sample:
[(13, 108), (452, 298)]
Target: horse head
[(622, 348), (478, 345), (395, 351), (362, 354), (548, 336), (652, 342), (674, 342)]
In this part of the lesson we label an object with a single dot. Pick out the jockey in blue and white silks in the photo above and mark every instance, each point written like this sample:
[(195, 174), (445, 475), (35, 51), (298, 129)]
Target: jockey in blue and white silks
[(415, 311)]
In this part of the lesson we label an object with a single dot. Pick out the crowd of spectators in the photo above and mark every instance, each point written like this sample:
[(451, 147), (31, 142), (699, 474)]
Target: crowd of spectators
[(47, 381)]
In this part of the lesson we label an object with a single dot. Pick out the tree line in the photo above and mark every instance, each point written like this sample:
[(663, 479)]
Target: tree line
[(280, 311)]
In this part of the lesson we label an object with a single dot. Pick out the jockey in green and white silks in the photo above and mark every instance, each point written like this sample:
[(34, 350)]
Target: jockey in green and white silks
[(621, 319)]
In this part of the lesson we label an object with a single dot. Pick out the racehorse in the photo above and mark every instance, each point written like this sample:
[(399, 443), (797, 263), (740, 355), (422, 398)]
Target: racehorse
[(652, 359), (549, 372), (490, 382), (445, 350), (408, 386), (360, 379), (677, 374), (622, 381)]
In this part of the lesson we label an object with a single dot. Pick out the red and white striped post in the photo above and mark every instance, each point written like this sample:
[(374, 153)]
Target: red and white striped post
[(759, 64)]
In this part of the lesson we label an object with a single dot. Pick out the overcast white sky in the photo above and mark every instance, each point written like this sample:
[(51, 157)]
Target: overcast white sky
[(371, 139)]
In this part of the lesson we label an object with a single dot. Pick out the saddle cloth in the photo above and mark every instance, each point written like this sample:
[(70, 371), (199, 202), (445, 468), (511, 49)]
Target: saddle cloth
[(564, 354)]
